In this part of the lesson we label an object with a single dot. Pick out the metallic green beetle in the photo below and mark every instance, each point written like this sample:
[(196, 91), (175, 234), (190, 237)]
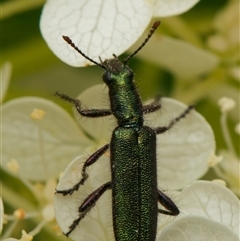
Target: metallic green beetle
[(135, 195)]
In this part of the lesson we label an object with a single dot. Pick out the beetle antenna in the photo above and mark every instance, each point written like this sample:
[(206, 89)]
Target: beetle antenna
[(153, 29), (70, 42)]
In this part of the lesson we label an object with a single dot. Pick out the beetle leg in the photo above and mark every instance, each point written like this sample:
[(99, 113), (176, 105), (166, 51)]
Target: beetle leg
[(162, 129), (154, 106), (92, 113), (92, 159), (87, 205), (166, 202)]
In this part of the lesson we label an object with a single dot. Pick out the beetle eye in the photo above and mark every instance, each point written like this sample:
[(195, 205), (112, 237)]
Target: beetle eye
[(106, 77)]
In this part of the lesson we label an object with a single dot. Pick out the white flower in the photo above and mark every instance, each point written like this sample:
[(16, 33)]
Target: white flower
[(209, 211), (191, 139), (39, 143), (56, 138), (207, 208), (101, 28)]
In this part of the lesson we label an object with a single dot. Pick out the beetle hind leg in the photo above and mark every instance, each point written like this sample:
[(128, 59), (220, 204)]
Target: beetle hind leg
[(88, 204), (166, 202)]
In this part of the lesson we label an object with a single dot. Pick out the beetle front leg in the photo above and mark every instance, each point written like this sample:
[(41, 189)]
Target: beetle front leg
[(92, 113)]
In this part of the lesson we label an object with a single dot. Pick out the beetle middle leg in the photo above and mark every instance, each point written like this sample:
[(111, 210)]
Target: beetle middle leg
[(92, 159), (87, 205), (154, 106), (166, 202), (162, 129)]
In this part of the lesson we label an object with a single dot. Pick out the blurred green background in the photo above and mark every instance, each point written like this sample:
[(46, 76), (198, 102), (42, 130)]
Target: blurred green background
[(37, 72)]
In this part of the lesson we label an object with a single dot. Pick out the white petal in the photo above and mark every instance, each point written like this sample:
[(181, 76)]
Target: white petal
[(197, 229), (182, 59), (184, 150), (212, 201), (166, 8), (98, 28), (97, 224), (66, 206), (42, 148), (5, 76)]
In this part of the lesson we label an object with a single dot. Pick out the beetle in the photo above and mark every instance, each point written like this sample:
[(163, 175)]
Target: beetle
[(135, 195)]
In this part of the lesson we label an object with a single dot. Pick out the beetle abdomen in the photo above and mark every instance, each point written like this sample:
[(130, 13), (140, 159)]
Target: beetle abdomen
[(134, 185)]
